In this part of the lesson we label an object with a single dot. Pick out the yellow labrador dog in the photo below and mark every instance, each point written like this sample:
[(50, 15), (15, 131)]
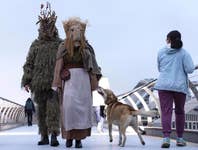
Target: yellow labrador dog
[(122, 115)]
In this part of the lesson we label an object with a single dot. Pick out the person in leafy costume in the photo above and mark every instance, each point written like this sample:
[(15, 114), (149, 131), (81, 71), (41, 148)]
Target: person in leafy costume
[(38, 75)]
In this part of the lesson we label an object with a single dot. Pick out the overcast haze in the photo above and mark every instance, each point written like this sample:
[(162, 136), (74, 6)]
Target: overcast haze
[(126, 35)]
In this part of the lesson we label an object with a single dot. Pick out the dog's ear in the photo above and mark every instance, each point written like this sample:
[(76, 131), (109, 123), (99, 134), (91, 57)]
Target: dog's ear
[(110, 94)]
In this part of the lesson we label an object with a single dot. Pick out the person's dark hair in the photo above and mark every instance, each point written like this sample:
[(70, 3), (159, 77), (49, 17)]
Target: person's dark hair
[(175, 39), (29, 99)]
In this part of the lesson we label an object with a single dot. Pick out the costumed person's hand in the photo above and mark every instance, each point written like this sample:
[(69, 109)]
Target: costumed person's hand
[(27, 88), (54, 88)]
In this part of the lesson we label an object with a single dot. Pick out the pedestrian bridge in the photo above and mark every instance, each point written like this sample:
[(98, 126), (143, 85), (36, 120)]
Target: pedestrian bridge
[(26, 138), (20, 136)]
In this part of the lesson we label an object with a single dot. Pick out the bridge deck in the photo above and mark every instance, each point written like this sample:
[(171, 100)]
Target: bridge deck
[(24, 138)]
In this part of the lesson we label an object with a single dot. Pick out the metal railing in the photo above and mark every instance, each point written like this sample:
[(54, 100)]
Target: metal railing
[(11, 113), (140, 98), (144, 97)]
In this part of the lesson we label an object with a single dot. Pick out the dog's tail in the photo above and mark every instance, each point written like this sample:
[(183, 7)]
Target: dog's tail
[(150, 113)]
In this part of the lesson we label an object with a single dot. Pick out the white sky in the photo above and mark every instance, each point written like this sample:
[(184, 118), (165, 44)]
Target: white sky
[(126, 35)]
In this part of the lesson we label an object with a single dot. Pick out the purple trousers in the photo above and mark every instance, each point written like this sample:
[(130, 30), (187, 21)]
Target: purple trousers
[(166, 101)]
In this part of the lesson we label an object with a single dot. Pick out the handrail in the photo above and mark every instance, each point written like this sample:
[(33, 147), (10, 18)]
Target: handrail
[(11, 113), (11, 101), (147, 88), (136, 89), (142, 86)]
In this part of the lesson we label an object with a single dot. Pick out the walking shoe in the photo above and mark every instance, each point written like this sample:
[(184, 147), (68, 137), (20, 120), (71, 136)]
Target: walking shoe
[(54, 141), (165, 142), (78, 144), (69, 143), (44, 140), (180, 142)]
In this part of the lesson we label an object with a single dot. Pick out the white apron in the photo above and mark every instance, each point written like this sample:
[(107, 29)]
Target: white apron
[(77, 101)]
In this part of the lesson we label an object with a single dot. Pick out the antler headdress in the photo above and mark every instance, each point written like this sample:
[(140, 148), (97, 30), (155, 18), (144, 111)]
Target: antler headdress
[(47, 20), (46, 13)]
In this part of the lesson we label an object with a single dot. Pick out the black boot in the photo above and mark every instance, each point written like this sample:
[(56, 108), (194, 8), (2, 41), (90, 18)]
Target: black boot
[(54, 141), (69, 143), (44, 140), (78, 144)]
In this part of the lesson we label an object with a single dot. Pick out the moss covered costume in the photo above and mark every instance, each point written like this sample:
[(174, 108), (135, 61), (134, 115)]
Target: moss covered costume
[(38, 75)]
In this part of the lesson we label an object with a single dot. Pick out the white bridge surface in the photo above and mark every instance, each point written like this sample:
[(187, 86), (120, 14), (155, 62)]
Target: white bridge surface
[(26, 138)]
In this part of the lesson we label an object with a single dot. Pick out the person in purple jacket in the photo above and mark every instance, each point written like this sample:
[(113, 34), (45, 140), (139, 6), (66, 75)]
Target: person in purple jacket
[(174, 65)]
